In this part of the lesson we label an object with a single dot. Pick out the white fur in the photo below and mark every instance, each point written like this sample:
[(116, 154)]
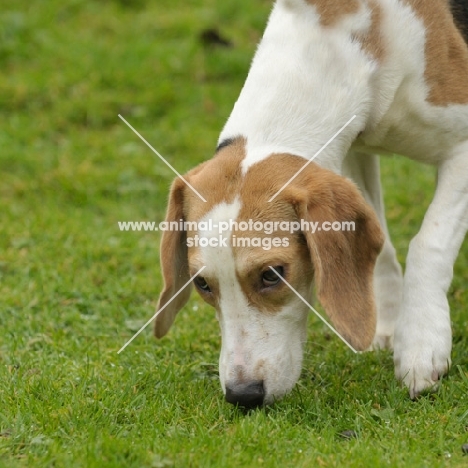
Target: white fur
[(423, 336), (299, 109), (255, 345), (305, 82)]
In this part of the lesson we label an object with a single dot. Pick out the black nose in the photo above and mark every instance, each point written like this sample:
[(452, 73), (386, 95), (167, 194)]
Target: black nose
[(249, 395)]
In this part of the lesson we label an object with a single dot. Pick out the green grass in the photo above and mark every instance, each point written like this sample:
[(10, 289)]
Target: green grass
[(73, 288)]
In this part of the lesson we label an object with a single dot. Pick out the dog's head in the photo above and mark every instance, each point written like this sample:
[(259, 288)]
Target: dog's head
[(262, 320)]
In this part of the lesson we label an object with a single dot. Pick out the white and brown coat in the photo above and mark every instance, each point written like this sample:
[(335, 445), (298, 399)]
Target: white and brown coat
[(400, 66)]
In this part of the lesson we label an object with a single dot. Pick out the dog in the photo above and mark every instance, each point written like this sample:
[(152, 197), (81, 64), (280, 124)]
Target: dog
[(382, 77)]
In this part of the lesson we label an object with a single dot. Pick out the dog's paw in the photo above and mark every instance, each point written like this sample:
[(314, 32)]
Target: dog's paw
[(422, 345), (420, 375), (420, 365)]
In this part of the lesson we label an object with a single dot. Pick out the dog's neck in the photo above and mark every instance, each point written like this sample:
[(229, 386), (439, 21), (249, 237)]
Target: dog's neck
[(304, 84)]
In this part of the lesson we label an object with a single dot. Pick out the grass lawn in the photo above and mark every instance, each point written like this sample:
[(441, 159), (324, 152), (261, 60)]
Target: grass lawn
[(73, 288)]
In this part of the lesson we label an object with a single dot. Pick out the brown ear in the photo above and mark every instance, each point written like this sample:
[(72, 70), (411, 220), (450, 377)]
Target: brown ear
[(343, 260), (174, 263)]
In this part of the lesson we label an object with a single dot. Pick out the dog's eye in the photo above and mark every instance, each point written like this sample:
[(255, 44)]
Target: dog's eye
[(270, 278), (202, 284)]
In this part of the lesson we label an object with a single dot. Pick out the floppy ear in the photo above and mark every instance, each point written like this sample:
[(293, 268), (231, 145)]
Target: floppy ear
[(343, 260), (174, 263)]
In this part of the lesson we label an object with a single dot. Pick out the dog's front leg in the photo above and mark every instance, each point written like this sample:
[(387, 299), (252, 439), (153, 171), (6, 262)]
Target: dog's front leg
[(423, 336)]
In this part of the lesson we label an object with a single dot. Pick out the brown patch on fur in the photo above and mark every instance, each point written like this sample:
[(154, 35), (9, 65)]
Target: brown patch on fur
[(254, 261), (174, 264), (261, 182), (372, 41), (217, 180), (331, 11), (343, 262), (446, 53)]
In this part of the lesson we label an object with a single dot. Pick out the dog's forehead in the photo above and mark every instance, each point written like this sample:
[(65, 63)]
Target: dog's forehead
[(213, 224), (236, 197), (234, 200), (218, 180), (225, 178), (218, 257)]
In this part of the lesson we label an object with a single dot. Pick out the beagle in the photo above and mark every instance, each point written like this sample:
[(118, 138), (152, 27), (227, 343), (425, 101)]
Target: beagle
[(399, 66)]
